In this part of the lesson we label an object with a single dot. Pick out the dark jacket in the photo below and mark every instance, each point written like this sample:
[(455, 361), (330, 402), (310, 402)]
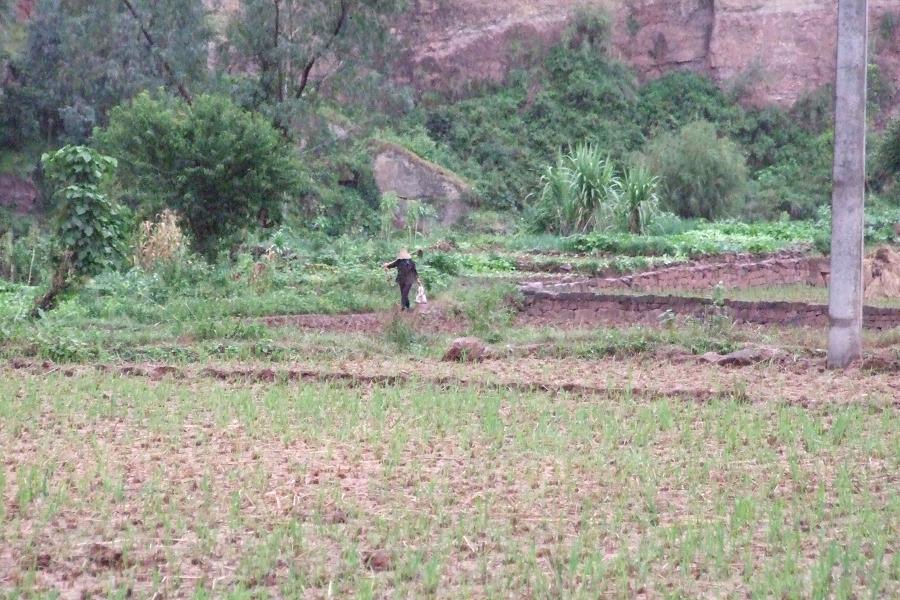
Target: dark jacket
[(406, 271)]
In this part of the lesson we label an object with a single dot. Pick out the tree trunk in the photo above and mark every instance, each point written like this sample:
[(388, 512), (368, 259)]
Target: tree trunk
[(166, 67), (845, 299), (276, 42), (343, 12), (62, 279)]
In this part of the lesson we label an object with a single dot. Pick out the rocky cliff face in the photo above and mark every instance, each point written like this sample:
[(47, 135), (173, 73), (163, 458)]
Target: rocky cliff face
[(779, 48)]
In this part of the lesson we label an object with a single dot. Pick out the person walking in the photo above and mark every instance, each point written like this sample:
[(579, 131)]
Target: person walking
[(407, 275)]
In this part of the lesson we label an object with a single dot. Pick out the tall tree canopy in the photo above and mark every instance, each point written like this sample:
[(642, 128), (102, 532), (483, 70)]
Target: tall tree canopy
[(82, 57), (296, 45)]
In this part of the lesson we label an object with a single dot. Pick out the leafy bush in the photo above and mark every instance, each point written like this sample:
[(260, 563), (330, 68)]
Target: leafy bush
[(484, 264), (500, 138), (60, 87), (705, 239), (222, 168), (702, 174), (879, 225), (488, 309), (583, 192), (888, 156), (590, 31), (443, 262), (682, 97), (400, 332), (90, 228)]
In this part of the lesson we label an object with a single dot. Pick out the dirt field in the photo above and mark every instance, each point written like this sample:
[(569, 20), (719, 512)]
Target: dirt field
[(333, 456), (193, 485)]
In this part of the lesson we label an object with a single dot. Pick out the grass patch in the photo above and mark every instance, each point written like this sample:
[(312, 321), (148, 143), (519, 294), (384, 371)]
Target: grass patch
[(256, 490)]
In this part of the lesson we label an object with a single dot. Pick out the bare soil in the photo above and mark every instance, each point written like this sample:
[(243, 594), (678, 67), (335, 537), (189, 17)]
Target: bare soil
[(804, 382)]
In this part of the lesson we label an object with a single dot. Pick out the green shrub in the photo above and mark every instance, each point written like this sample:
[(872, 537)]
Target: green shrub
[(590, 30), (401, 333), (24, 257), (222, 168), (502, 137), (485, 264), (702, 174), (705, 239), (90, 229), (888, 154), (444, 262), (682, 97), (489, 309), (878, 228)]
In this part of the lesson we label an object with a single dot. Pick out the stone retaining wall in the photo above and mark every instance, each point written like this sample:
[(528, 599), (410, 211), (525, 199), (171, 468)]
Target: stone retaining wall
[(777, 271), (585, 308)]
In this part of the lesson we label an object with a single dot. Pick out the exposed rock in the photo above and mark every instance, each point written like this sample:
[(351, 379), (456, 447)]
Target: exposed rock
[(467, 349), (710, 357), (741, 358), (17, 194), (881, 274), (780, 49), (411, 177), (24, 9), (819, 271), (378, 560)]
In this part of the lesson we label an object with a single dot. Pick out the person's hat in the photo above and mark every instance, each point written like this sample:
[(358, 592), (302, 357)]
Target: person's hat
[(403, 254)]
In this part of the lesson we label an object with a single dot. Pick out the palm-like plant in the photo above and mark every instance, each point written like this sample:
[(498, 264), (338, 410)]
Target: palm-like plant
[(556, 196), (593, 178), (638, 200), (578, 191)]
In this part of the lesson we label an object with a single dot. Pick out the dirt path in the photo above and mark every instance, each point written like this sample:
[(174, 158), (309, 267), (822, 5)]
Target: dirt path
[(804, 382), (431, 319)]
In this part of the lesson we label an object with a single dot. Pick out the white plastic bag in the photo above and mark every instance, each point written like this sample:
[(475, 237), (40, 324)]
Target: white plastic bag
[(420, 295)]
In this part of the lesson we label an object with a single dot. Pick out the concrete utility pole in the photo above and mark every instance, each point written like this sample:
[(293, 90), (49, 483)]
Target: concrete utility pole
[(845, 299)]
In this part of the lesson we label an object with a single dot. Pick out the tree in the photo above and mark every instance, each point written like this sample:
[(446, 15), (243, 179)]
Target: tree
[(296, 45), (702, 174), (845, 299), (6, 18), (222, 168), (888, 157), (90, 227), (82, 58)]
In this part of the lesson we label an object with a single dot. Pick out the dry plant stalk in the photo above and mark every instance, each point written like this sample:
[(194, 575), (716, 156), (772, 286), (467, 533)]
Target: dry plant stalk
[(159, 241)]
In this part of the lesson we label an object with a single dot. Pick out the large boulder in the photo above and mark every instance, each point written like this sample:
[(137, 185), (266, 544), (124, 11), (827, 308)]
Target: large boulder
[(411, 177), (743, 357)]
